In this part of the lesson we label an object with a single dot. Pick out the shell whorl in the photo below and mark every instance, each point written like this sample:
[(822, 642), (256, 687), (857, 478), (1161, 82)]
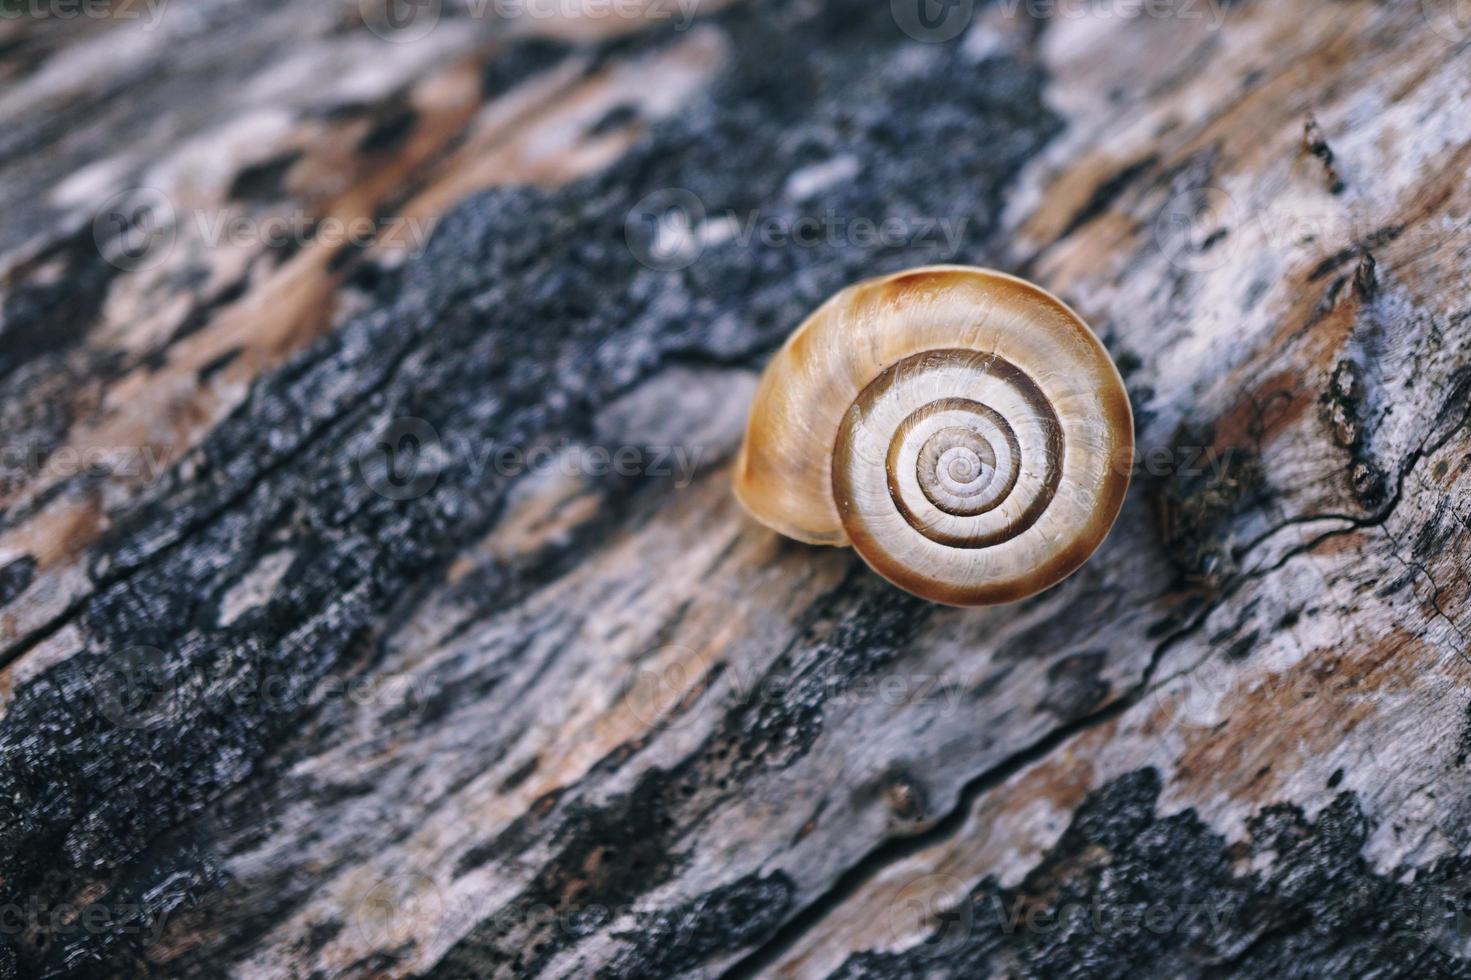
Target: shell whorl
[(959, 427)]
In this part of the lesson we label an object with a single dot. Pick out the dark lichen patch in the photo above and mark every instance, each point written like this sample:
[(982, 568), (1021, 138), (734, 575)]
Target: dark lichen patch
[(264, 181), (520, 774), (614, 119), (45, 314), (1127, 891), (107, 932), (776, 723), (611, 856), (390, 129), (670, 942), (1128, 362), (218, 364), (517, 62), (1241, 647), (16, 577)]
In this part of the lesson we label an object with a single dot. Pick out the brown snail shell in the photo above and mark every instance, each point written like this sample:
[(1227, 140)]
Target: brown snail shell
[(959, 427)]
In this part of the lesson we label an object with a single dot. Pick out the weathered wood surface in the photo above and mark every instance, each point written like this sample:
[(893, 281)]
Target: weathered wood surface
[(269, 710)]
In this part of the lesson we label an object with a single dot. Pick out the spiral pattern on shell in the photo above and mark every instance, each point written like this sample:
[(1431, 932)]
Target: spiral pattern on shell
[(959, 427)]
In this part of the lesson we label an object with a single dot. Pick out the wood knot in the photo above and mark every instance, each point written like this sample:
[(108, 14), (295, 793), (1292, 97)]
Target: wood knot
[(1342, 403), (1369, 484), (1366, 276), (905, 798)]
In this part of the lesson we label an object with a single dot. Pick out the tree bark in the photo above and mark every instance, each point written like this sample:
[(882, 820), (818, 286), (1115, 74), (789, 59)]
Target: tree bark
[(374, 604)]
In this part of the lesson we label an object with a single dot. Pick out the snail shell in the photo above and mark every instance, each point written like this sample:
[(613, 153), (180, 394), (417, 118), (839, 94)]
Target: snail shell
[(959, 427)]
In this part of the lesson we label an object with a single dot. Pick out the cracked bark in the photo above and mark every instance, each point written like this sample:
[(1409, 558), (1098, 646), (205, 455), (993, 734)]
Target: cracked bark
[(269, 712)]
